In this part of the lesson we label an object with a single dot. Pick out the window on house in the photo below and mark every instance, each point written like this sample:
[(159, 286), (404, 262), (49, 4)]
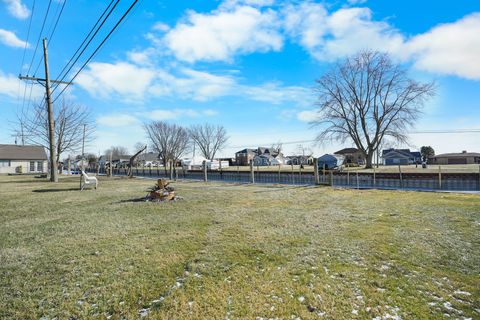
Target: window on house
[(40, 166), (32, 165), (4, 163)]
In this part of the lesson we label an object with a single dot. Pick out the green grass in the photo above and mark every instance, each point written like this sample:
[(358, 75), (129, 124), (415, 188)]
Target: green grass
[(235, 251)]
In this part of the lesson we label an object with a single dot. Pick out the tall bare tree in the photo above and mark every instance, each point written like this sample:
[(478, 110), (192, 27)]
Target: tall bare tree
[(366, 98), (209, 138), (32, 126), (171, 141)]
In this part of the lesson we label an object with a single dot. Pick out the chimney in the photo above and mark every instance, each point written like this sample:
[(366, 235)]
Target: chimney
[(464, 151)]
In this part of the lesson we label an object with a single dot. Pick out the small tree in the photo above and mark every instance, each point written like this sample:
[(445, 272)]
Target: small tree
[(366, 98), (171, 141), (69, 121), (209, 138), (427, 152)]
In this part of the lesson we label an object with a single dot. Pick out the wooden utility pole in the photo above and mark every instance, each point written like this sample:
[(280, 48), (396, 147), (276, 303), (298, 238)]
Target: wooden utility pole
[(51, 125)]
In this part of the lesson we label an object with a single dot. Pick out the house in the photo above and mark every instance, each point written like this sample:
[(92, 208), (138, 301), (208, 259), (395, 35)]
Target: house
[(267, 159), (330, 161), (245, 156), (463, 157), (299, 160), (148, 159), (400, 157), (117, 161), (22, 159), (352, 155)]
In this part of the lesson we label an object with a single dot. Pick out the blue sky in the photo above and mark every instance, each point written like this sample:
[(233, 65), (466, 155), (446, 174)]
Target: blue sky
[(249, 65)]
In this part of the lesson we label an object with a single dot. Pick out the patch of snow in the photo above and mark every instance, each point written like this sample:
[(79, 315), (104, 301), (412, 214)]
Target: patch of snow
[(158, 300), (355, 311), (143, 312), (464, 293), (301, 298)]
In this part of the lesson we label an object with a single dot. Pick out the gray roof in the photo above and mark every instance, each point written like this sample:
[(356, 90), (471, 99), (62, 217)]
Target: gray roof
[(15, 152), (459, 154)]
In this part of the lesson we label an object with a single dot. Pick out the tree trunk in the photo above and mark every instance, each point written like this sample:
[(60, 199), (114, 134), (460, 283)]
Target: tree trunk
[(369, 160)]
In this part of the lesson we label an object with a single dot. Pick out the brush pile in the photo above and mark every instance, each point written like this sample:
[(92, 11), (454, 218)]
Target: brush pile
[(161, 192)]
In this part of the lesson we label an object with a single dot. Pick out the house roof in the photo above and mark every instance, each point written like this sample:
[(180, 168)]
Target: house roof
[(149, 156), (457, 155), (392, 154), (16, 152), (347, 150), (250, 151)]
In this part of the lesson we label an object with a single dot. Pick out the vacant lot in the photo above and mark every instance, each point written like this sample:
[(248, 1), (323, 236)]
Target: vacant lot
[(235, 251)]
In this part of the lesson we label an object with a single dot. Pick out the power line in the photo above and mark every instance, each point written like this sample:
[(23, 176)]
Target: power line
[(411, 132), (25, 51), (39, 36), (98, 48), (52, 32), (84, 40)]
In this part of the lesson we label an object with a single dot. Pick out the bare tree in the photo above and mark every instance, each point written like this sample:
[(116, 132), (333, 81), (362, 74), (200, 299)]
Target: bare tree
[(366, 98), (116, 151), (209, 138), (70, 118), (171, 141)]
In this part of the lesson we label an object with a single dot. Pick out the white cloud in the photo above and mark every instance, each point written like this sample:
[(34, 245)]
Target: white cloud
[(170, 114), (127, 80), (307, 115), (11, 86), (329, 36), (10, 39), (160, 26), (224, 33), (17, 9), (355, 2), (452, 48), (116, 120)]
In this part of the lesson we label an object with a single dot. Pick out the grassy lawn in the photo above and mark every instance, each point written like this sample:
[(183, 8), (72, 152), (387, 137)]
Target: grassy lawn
[(235, 251)]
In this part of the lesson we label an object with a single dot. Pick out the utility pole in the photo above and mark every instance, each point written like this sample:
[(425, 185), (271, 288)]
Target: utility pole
[(83, 156), (51, 125)]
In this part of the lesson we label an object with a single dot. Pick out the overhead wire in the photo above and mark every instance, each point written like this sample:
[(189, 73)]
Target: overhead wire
[(39, 36), (52, 33), (64, 73), (98, 48)]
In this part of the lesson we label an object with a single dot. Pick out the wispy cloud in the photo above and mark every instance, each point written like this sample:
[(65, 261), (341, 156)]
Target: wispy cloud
[(117, 120), (17, 9), (10, 39)]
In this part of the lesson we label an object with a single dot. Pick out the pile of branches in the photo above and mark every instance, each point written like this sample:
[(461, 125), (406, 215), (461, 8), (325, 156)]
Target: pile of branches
[(161, 191)]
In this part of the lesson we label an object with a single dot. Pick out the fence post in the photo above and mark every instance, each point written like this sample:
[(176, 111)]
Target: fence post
[(331, 178), (171, 169), (315, 171), (279, 167), (348, 178), (439, 177), (358, 183), (401, 178), (293, 175), (252, 173), (374, 182), (323, 171), (205, 175), (479, 177)]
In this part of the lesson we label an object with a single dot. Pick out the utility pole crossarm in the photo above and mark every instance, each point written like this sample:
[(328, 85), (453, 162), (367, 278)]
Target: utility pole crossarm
[(42, 80)]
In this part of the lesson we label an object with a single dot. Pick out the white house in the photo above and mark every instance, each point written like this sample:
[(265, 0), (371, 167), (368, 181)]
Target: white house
[(22, 159)]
